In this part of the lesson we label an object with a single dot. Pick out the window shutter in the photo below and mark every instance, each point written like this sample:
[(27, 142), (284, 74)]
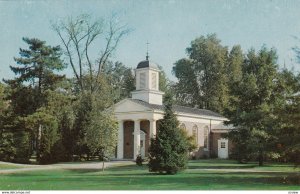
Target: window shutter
[(142, 80)]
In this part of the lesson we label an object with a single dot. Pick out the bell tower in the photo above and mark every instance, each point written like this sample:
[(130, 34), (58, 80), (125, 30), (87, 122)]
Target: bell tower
[(147, 83)]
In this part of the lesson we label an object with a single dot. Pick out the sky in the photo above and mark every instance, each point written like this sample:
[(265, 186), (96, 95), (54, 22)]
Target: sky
[(168, 25)]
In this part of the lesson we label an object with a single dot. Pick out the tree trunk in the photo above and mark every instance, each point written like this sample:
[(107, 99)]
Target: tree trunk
[(38, 143), (261, 158), (103, 165)]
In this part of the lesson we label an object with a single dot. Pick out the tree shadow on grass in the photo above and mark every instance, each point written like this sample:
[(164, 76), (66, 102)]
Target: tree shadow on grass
[(183, 178), (127, 167), (143, 180), (84, 170), (222, 167), (219, 161), (251, 180)]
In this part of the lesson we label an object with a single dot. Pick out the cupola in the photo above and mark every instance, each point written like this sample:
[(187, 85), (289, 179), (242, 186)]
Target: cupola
[(147, 83)]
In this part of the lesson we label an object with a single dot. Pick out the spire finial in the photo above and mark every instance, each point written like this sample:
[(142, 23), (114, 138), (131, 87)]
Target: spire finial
[(147, 56)]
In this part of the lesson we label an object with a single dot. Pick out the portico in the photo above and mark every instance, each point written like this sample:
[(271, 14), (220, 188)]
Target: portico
[(134, 137)]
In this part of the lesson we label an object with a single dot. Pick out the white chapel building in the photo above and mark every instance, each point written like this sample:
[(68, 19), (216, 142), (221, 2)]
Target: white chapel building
[(138, 119)]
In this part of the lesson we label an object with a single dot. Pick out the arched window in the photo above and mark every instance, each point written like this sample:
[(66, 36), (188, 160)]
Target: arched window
[(206, 130), (182, 126), (195, 133)]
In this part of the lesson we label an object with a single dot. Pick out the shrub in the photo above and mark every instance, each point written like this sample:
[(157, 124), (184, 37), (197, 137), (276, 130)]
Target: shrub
[(139, 160)]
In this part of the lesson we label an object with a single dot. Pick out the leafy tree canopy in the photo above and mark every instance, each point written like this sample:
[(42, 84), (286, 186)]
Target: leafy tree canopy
[(202, 77)]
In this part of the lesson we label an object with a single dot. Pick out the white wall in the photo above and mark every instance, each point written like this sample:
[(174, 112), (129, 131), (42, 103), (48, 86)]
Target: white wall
[(150, 96)]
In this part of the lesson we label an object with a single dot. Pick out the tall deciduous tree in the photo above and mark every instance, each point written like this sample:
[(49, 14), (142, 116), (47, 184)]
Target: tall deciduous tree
[(234, 76), (202, 77), (102, 134), (84, 107), (235, 64), (163, 80), (121, 79), (79, 36)]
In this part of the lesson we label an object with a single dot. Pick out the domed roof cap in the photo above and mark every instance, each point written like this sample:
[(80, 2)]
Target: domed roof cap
[(145, 64)]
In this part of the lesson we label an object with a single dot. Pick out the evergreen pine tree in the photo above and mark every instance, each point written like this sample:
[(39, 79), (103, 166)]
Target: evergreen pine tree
[(168, 152), (36, 74), (256, 98), (36, 69)]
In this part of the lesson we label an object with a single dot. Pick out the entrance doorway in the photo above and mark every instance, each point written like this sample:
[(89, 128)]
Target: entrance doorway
[(223, 148), (142, 143)]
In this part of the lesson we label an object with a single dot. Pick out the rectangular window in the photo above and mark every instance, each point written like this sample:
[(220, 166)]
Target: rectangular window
[(142, 80), (153, 81), (223, 145)]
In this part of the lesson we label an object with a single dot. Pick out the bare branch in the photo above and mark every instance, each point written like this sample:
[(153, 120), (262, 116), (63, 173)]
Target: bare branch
[(114, 36), (66, 45), (80, 34)]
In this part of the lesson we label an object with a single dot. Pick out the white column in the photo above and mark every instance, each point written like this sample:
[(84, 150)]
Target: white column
[(120, 154), (137, 139), (152, 128)]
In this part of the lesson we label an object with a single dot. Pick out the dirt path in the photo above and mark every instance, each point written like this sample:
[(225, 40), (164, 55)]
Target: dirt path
[(83, 165)]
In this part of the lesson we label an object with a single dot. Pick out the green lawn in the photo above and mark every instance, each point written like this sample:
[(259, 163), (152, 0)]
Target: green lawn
[(201, 175)]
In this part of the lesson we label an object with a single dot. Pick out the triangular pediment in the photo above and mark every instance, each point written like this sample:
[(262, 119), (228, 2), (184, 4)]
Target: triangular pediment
[(128, 105)]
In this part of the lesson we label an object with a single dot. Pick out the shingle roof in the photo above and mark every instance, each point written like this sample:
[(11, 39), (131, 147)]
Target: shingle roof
[(180, 109), (146, 63), (220, 127)]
